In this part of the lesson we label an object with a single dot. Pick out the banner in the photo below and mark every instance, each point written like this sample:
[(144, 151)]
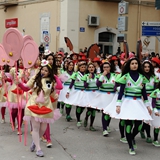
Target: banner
[(148, 44)]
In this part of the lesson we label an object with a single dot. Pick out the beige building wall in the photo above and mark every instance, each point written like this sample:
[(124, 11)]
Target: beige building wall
[(108, 13), (28, 15), (29, 18), (69, 22)]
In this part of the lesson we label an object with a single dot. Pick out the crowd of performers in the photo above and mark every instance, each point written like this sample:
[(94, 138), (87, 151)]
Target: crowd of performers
[(124, 89), (121, 89)]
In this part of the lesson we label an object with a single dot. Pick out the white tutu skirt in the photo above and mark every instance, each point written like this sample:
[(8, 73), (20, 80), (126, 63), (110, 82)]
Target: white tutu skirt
[(150, 101), (90, 96), (110, 109), (101, 99), (131, 110), (156, 120), (76, 98), (63, 92)]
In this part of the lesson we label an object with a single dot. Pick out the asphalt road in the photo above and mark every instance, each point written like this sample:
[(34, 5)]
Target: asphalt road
[(71, 143)]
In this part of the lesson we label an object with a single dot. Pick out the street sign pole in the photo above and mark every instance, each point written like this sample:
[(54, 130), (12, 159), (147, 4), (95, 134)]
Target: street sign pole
[(122, 21)]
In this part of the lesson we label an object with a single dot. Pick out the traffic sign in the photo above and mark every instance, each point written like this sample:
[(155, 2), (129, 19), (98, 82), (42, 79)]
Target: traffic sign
[(58, 28), (45, 32), (150, 23), (150, 30), (122, 23), (46, 38), (82, 29), (123, 7), (121, 10)]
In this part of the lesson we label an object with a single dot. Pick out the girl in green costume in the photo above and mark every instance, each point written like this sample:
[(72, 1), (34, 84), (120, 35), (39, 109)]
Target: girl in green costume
[(150, 86), (90, 93), (132, 107), (155, 95), (62, 96), (75, 96)]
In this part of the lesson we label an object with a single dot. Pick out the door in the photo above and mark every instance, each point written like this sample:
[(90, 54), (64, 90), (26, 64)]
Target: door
[(106, 42)]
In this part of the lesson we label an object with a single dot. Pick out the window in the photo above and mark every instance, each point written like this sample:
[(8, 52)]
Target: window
[(105, 37)]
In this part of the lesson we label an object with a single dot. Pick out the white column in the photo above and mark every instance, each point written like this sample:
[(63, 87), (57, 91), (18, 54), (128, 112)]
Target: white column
[(69, 24)]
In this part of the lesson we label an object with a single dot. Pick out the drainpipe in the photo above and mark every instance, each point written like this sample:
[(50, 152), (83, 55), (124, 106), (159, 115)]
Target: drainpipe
[(139, 20)]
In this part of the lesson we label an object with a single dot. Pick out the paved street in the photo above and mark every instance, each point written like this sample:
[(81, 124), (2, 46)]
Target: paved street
[(71, 143)]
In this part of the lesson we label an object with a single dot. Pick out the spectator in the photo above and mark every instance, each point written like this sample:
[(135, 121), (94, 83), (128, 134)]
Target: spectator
[(146, 56), (153, 54), (157, 55), (41, 48)]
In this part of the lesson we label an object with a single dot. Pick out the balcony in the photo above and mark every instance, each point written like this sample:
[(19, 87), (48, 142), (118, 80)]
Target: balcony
[(8, 3)]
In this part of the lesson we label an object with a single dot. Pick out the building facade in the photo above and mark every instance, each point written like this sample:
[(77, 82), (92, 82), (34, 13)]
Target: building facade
[(50, 21)]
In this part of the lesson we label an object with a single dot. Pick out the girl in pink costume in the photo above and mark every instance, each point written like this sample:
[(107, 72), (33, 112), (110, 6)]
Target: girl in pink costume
[(51, 59), (39, 109), (16, 102)]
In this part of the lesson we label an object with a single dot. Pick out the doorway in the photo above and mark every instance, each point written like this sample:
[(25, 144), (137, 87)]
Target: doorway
[(107, 40)]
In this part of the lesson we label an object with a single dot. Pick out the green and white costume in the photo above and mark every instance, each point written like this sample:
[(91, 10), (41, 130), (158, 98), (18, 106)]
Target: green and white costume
[(150, 86), (63, 92), (105, 93), (76, 94), (109, 107), (91, 91), (156, 119), (132, 106)]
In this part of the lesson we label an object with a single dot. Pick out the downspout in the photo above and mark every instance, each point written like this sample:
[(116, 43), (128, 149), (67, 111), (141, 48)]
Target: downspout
[(139, 20)]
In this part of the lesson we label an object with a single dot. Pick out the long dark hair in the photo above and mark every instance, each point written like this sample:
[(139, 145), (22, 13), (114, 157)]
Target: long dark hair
[(126, 68), (6, 68), (151, 72), (111, 67), (54, 66), (38, 78), (69, 64), (64, 65), (87, 71)]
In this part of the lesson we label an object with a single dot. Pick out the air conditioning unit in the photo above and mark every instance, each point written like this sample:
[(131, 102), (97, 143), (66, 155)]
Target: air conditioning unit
[(93, 20)]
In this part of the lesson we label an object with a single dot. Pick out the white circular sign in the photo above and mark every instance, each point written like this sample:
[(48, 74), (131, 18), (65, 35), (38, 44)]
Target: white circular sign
[(121, 10), (46, 38)]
